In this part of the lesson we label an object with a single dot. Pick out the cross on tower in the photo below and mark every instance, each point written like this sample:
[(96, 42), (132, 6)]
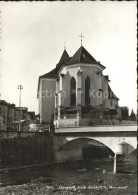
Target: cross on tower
[(81, 38)]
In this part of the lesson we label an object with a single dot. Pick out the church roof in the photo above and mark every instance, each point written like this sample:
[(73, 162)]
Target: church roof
[(53, 73), (83, 56), (65, 57), (111, 94)]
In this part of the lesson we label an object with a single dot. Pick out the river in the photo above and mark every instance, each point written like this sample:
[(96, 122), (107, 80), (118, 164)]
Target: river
[(69, 178)]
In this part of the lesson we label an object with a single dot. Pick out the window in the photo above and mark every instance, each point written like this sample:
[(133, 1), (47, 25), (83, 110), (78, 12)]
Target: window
[(87, 91), (72, 91), (111, 103)]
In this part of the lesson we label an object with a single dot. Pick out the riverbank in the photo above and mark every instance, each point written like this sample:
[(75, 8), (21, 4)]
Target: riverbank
[(69, 178)]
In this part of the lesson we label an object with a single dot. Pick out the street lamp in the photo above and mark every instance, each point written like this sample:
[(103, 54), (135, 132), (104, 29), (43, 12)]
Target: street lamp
[(20, 87)]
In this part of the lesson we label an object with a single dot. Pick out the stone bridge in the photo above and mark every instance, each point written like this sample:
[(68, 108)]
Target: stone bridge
[(68, 142)]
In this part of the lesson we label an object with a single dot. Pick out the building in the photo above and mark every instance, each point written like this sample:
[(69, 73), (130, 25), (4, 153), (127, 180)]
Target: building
[(125, 112), (7, 111), (77, 93), (10, 116)]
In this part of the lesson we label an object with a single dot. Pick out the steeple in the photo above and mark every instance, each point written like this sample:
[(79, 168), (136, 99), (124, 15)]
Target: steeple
[(63, 58)]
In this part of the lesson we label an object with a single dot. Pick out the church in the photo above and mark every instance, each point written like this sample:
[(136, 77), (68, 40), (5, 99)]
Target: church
[(77, 93)]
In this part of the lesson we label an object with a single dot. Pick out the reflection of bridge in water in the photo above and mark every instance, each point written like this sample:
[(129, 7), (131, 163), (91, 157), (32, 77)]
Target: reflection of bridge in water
[(122, 140)]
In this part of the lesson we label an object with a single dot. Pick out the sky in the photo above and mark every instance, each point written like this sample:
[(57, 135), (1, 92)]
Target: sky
[(33, 36)]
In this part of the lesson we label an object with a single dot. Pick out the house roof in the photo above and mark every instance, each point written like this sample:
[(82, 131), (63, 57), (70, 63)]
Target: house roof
[(4, 103), (111, 94)]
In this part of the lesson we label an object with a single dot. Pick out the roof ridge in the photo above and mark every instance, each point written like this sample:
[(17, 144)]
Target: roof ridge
[(79, 57)]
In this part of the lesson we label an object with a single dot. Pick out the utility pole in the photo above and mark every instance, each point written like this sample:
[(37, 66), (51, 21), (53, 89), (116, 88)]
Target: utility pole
[(20, 87)]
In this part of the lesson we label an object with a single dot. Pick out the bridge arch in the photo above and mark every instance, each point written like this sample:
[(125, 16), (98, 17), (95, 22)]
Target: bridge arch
[(76, 143), (69, 148), (73, 149), (109, 142)]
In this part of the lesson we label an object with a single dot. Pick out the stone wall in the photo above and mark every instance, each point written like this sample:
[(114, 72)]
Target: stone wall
[(122, 163), (125, 163), (25, 148)]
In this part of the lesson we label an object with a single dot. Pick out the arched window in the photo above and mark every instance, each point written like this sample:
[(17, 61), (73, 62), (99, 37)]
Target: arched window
[(72, 91), (87, 91)]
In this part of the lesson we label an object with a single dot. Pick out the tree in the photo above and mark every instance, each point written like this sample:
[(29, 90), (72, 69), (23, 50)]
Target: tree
[(132, 116)]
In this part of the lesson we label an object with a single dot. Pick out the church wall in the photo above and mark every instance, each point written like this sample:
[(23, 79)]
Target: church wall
[(71, 72), (57, 86), (91, 72), (57, 90), (66, 90), (105, 92), (98, 82), (95, 83), (47, 99)]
